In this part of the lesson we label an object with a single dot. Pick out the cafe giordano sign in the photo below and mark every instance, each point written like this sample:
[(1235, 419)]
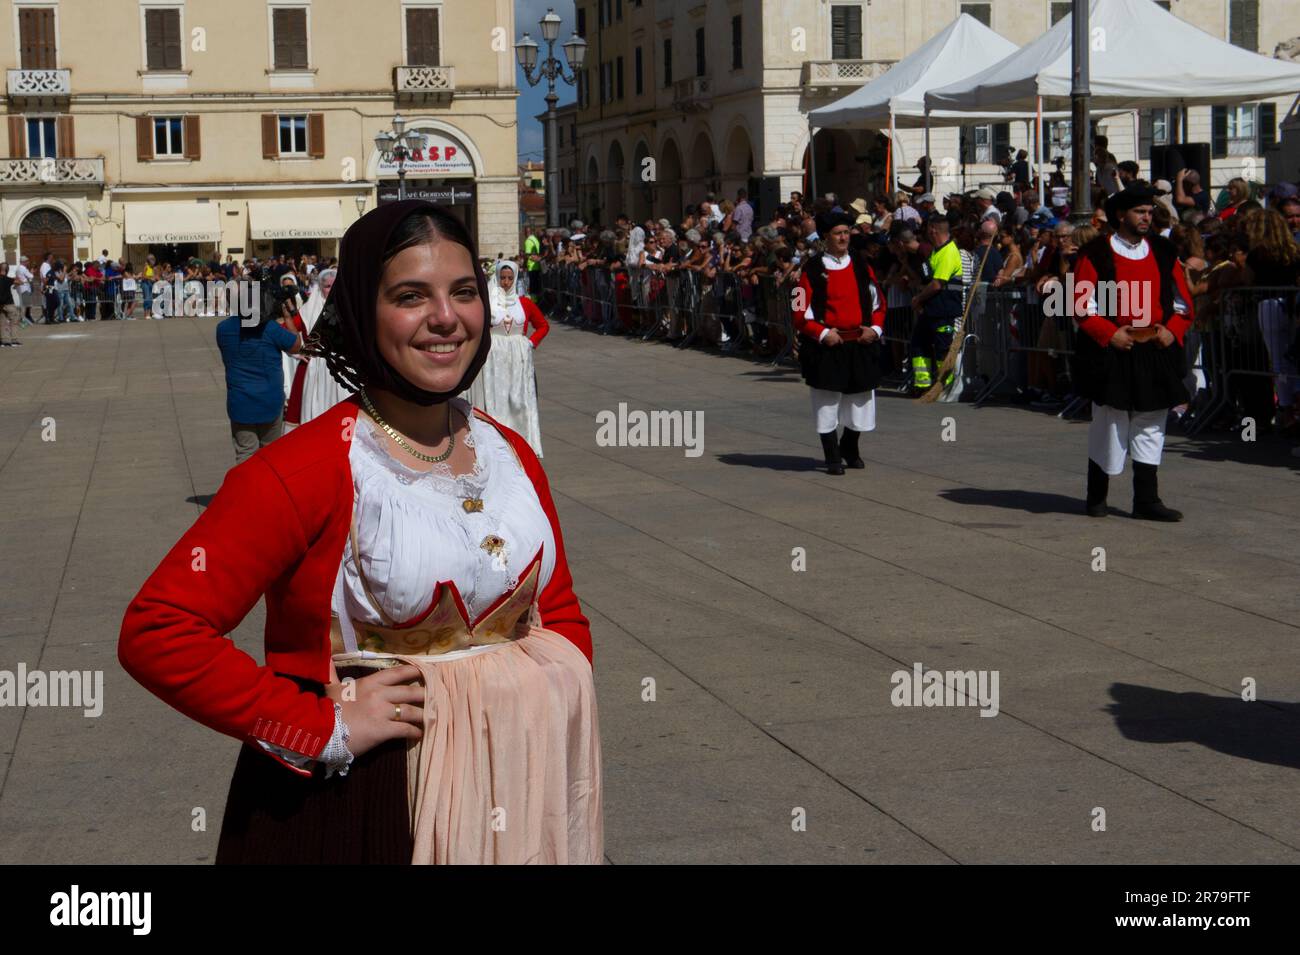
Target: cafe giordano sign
[(436, 154)]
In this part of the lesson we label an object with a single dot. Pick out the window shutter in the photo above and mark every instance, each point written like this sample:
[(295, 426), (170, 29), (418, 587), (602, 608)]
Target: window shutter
[(1266, 124), (737, 48), (639, 73), (1001, 140), (270, 136), (619, 77), (1146, 133), (699, 52), (153, 39), (422, 37), (171, 39), (36, 38), (668, 62), (1219, 132), (193, 148), (846, 33), (316, 135), (290, 41), (143, 138), (64, 140), (15, 137)]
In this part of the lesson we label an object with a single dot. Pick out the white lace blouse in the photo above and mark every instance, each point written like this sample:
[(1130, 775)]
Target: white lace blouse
[(414, 531)]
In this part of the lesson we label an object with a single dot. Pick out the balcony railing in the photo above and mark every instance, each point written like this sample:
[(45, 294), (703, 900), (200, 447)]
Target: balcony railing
[(31, 172), (834, 73), (38, 84), (424, 82), (693, 95)]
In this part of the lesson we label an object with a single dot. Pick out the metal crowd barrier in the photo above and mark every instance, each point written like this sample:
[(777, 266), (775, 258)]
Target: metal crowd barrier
[(1247, 357)]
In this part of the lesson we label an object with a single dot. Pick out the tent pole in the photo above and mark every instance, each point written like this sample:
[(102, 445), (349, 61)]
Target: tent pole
[(929, 160), (1137, 139), (1038, 148), (893, 169)]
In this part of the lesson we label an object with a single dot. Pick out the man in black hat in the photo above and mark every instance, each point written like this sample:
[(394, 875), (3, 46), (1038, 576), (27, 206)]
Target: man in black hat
[(1132, 306), (840, 316)]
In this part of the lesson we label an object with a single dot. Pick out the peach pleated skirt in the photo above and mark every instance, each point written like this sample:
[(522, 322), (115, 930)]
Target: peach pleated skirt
[(508, 769)]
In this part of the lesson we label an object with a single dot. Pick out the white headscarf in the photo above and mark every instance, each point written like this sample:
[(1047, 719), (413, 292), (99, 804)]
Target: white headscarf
[(502, 300), (312, 309)]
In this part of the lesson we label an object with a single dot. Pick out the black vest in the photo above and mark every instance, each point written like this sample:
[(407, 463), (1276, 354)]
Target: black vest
[(1102, 257), (816, 272)]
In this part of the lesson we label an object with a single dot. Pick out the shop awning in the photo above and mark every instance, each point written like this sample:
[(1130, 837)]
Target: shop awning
[(160, 222), (295, 218)]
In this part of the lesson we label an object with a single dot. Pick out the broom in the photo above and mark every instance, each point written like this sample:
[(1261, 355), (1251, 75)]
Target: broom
[(954, 350)]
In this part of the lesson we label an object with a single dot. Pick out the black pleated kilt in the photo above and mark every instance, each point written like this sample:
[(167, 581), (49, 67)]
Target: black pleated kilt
[(849, 367), (275, 816), (1147, 378)]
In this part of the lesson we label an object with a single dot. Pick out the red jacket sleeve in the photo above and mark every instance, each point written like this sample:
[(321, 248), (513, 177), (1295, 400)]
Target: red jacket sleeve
[(534, 317), (558, 603), (1099, 329), (803, 296), (878, 300), (1178, 324), (173, 639)]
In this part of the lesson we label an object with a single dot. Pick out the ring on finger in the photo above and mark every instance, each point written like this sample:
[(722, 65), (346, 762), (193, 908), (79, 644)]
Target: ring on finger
[(397, 711)]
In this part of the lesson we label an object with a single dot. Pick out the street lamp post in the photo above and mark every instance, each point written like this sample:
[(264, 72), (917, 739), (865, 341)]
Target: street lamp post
[(397, 144), (1080, 127), (575, 51)]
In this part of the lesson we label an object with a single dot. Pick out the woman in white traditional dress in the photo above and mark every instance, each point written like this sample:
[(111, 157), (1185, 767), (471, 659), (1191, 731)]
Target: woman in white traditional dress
[(507, 387), (319, 391)]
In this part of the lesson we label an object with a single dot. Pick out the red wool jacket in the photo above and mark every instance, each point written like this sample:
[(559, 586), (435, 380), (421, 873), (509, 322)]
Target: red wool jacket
[(533, 317), (277, 527)]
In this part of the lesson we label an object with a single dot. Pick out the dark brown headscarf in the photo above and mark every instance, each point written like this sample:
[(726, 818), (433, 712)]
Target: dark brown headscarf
[(346, 330)]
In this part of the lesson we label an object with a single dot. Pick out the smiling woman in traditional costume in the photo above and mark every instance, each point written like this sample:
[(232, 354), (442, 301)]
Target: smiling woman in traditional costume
[(427, 694)]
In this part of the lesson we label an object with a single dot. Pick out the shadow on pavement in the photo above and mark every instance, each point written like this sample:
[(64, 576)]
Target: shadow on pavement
[(1263, 731), (1032, 502), (773, 462)]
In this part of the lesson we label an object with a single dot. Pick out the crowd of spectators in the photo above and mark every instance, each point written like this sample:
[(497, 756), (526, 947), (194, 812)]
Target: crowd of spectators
[(1008, 238), (107, 289)]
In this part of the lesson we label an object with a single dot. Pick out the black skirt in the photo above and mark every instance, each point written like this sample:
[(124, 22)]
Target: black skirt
[(849, 367), (1146, 378), (275, 816)]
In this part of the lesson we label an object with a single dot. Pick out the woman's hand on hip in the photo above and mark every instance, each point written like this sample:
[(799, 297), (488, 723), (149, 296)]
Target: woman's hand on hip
[(379, 707)]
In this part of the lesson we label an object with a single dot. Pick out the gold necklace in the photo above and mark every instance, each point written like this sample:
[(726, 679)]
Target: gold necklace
[(396, 436)]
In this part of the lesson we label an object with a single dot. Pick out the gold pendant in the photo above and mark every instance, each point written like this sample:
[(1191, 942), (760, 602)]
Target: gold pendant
[(493, 544), (472, 504)]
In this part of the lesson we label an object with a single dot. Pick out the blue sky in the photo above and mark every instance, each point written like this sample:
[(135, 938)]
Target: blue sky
[(532, 99)]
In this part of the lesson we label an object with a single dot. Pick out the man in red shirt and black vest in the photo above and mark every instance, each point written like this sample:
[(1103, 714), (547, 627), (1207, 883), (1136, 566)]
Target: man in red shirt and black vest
[(840, 317), (1129, 353)]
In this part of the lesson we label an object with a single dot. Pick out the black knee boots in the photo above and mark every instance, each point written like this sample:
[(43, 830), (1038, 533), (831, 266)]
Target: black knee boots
[(1146, 496), (849, 449), (1098, 485), (831, 447)]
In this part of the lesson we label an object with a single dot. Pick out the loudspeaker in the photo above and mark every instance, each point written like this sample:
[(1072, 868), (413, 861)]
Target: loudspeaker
[(766, 198), (1167, 160)]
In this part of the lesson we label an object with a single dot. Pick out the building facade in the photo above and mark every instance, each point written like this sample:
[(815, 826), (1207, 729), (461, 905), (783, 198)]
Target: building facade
[(247, 127), (681, 97)]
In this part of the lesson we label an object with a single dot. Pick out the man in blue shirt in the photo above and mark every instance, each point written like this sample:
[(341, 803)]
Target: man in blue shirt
[(254, 380)]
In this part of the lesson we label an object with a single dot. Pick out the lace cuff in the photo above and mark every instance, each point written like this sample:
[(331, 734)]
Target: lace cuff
[(335, 755)]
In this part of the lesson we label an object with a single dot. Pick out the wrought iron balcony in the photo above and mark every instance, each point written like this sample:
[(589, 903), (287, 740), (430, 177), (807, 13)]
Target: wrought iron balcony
[(51, 172), (39, 84), (422, 83), (693, 95), (831, 74)]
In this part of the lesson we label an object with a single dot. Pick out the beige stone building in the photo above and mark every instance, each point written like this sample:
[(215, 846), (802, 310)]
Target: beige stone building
[(247, 127), (681, 97)]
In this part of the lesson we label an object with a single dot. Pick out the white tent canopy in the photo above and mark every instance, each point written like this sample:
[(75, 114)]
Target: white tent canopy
[(964, 47), (1140, 56)]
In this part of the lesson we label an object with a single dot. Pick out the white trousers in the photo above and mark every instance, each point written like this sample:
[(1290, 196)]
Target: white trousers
[(833, 408), (1115, 432)]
